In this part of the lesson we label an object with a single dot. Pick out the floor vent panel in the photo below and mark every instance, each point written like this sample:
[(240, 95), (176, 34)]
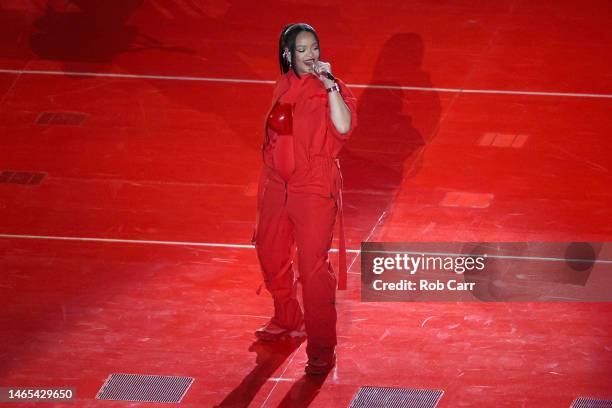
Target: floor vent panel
[(61, 118), (388, 397), (145, 388), (587, 402), (21, 177)]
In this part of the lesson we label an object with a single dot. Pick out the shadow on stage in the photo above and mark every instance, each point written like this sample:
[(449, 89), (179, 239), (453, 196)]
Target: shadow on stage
[(270, 357)]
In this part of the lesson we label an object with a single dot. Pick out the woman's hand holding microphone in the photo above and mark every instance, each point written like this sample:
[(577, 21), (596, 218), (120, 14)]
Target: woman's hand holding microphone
[(323, 71)]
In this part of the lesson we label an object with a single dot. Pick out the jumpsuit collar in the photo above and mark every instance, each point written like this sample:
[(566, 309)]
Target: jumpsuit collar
[(293, 77)]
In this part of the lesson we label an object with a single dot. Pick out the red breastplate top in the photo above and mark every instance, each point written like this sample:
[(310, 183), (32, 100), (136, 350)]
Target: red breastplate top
[(280, 119), (280, 123)]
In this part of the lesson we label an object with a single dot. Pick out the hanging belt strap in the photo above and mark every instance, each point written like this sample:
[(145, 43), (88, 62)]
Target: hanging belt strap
[(342, 272), (261, 189)]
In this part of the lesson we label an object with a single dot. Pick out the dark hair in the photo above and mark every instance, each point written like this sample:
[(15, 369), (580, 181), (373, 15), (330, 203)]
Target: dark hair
[(287, 39)]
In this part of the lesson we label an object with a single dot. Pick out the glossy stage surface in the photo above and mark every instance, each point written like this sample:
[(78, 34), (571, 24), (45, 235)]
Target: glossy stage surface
[(478, 121)]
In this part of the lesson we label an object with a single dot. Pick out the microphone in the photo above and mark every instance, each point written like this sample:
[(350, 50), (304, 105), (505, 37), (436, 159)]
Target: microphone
[(328, 75)]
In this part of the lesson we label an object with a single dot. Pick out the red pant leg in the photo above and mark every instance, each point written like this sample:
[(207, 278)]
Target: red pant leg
[(313, 219), (275, 247)]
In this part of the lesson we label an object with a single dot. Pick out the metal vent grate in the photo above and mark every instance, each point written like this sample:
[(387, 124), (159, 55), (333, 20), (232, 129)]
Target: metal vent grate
[(502, 140), (466, 200), (146, 388), (21, 177), (387, 397), (586, 402), (61, 118)]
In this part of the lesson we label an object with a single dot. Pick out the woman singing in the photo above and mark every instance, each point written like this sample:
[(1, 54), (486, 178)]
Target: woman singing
[(311, 117)]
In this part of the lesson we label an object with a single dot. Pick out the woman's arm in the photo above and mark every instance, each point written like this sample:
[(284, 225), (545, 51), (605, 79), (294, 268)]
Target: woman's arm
[(338, 111)]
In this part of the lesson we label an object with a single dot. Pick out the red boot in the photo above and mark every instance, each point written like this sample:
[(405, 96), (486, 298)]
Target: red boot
[(272, 332), (319, 366)]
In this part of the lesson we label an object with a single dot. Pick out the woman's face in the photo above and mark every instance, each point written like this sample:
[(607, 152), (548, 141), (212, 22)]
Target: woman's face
[(306, 52)]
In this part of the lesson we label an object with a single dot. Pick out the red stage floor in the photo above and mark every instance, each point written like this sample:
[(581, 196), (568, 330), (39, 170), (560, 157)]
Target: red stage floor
[(503, 108)]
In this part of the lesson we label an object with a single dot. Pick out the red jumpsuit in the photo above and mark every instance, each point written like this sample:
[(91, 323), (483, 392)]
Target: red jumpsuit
[(298, 200)]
